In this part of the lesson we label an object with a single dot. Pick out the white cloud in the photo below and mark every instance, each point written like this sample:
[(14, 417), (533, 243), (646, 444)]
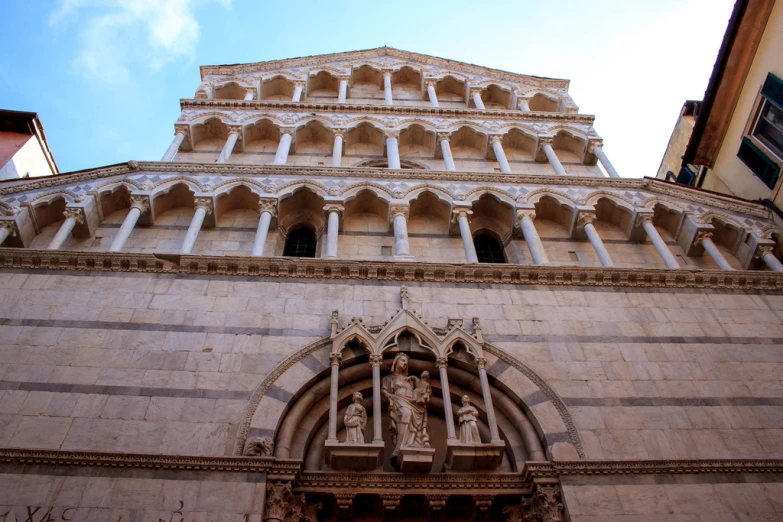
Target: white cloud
[(116, 34)]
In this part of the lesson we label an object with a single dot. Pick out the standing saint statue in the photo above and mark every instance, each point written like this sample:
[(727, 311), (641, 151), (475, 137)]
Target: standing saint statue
[(355, 420), (408, 398), (468, 425)]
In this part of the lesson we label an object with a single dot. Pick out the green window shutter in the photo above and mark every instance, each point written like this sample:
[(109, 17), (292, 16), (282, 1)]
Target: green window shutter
[(773, 90), (763, 167)]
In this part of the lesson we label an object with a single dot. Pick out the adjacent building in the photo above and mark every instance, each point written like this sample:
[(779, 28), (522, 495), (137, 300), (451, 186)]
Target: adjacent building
[(24, 151), (381, 285)]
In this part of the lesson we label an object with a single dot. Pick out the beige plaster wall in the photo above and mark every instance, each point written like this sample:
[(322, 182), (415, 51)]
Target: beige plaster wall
[(728, 167), (672, 158)]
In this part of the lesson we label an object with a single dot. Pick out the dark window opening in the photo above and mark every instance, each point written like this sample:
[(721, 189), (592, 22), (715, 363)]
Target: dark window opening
[(769, 128), (488, 249), (300, 243)]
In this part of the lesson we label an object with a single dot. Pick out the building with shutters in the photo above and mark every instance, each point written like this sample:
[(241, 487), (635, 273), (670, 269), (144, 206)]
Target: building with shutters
[(380, 285)]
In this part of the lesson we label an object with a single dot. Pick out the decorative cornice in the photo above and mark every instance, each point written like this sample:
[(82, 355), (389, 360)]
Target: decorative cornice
[(424, 110), (139, 460), (13, 258), (443, 483), (233, 170), (651, 467), (378, 52)]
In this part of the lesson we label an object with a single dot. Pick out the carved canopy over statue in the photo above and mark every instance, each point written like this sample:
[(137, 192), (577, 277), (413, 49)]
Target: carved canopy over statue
[(407, 398)]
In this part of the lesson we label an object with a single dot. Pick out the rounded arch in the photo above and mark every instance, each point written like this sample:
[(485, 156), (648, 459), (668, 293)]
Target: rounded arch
[(518, 392), (475, 194), (451, 88), (534, 196), (231, 90), (379, 190)]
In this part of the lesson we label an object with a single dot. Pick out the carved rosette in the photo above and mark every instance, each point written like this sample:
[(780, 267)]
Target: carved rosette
[(77, 214), (205, 203), (142, 203), (259, 447)]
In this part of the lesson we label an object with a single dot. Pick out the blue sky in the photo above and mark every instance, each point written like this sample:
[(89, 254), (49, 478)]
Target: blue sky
[(106, 76)]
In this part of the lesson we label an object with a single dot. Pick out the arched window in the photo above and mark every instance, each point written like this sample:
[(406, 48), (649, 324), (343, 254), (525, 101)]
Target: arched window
[(488, 249), (300, 243)]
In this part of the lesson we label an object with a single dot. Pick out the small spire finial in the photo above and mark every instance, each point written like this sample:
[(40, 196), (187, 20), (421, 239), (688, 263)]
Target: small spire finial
[(404, 297)]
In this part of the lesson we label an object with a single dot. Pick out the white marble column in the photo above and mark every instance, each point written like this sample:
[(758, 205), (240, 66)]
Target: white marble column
[(445, 148), (601, 155), (657, 240), (586, 221), (332, 228), (73, 216), (250, 93), (228, 148), (171, 152), (399, 213), (432, 94), (377, 427), (486, 391), (337, 148), (523, 105), (552, 157), (281, 156), (393, 149), (335, 359), (461, 216), (442, 363), (203, 207), (342, 90), (268, 209), (298, 88), (532, 239), (476, 95), (765, 254), (387, 88), (705, 238), (138, 206), (7, 229), (500, 154)]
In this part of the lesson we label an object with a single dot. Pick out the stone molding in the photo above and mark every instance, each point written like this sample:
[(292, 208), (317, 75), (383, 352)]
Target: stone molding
[(14, 258), (650, 185), (440, 112), (374, 54), (270, 465), (652, 467)]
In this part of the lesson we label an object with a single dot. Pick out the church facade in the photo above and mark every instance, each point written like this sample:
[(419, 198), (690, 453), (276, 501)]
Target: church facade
[(379, 285)]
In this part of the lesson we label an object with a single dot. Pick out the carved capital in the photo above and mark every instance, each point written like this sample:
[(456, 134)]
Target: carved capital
[(495, 138), (544, 505), (585, 219), (335, 358), (762, 250), (376, 360), (77, 214), (339, 133), (430, 83), (344, 79), (481, 363), (475, 90), (235, 129), (399, 209), (268, 205), (334, 207), (444, 136), (344, 500), (299, 83), (140, 202), (542, 141), (10, 226), (641, 219), (483, 502), (442, 362), (278, 499), (392, 134), (457, 212), (701, 235), (287, 130), (523, 213), (251, 90), (205, 203), (182, 128), (592, 145)]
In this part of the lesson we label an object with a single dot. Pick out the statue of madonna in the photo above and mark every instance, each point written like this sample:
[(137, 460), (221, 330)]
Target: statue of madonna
[(408, 398)]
